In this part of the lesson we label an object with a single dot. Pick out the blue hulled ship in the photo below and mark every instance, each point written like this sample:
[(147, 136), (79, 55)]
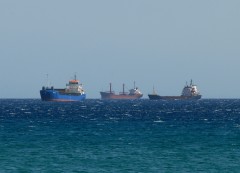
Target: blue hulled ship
[(73, 92)]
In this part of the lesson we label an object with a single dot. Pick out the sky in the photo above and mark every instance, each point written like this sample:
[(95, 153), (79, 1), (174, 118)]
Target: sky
[(160, 43)]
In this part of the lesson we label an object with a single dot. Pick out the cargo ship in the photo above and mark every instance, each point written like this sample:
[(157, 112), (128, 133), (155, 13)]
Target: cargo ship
[(189, 92), (73, 92), (134, 93)]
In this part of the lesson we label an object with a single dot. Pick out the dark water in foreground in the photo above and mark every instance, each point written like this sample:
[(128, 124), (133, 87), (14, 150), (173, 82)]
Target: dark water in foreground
[(120, 136)]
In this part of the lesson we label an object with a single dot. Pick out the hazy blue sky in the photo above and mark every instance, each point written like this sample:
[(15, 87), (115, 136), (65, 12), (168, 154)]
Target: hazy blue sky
[(154, 42)]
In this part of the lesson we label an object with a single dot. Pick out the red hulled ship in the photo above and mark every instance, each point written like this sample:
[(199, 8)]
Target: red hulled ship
[(134, 93)]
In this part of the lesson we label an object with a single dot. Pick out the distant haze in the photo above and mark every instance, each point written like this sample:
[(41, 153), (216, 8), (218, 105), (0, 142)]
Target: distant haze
[(158, 42)]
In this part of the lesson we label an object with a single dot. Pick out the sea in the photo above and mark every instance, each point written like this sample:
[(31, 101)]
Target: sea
[(142, 136)]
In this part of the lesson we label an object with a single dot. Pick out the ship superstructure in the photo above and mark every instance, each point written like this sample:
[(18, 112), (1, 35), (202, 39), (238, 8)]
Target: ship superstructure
[(73, 92), (189, 92), (134, 93)]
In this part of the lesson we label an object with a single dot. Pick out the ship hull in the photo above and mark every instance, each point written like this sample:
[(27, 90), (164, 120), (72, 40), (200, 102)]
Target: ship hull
[(112, 96), (54, 95), (158, 97)]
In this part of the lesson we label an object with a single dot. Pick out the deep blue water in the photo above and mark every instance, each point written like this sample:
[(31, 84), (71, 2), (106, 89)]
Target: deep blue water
[(120, 136)]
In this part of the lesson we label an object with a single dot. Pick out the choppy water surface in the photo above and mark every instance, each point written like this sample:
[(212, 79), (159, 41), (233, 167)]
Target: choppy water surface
[(120, 136)]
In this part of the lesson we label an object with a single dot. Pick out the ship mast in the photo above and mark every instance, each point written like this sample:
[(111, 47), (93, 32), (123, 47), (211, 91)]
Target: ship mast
[(154, 92), (75, 76), (47, 81), (123, 88), (110, 87)]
